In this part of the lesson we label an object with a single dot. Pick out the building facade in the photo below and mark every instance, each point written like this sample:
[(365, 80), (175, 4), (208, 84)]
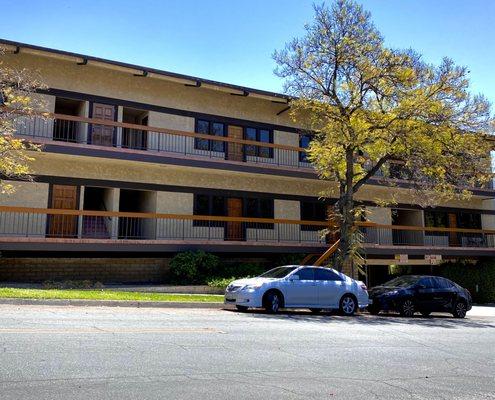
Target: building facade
[(138, 164)]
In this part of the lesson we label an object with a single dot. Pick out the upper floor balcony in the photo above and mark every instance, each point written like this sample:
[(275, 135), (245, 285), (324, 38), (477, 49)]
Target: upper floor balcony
[(211, 145), (211, 142)]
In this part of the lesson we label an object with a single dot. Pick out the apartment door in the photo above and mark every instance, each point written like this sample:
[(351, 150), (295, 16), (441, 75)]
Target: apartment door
[(453, 236), (234, 230), (103, 135), (235, 150), (63, 197)]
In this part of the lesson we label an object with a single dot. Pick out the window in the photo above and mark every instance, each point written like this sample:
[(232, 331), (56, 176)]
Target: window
[(436, 219), (443, 283), (304, 141), (259, 208), (326, 275), (306, 274), (258, 135), (313, 211), (209, 128), (278, 272), (428, 283), (469, 220), (209, 205)]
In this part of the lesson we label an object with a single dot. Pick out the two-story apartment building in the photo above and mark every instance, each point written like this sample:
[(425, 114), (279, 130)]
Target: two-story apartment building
[(138, 164)]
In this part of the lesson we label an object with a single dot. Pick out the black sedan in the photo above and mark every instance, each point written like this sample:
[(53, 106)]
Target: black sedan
[(425, 294)]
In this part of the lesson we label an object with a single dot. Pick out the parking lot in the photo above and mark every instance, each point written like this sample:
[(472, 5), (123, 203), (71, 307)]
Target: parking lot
[(86, 353)]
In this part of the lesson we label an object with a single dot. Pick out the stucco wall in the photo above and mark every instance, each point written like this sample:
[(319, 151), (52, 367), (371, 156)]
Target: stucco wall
[(103, 81)]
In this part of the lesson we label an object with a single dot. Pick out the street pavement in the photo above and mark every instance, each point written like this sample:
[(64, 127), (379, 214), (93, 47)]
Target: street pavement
[(49, 352)]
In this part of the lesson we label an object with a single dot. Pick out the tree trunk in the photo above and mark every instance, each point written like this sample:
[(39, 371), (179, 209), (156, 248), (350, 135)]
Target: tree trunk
[(346, 209)]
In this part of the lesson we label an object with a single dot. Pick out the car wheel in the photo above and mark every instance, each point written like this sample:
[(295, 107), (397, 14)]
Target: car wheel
[(460, 309), (348, 305), (241, 308), (315, 310), (373, 310), (272, 302), (407, 308), (425, 313)]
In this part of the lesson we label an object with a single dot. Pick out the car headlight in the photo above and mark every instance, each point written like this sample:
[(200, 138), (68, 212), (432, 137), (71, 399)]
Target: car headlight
[(391, 293), (251, 287)]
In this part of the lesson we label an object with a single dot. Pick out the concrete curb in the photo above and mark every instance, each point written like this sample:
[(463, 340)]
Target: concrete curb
[(109, 303)]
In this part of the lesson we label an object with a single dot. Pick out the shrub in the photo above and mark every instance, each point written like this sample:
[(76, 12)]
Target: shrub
[(193, 267), (240, 270), (478, 278), (220, 283)]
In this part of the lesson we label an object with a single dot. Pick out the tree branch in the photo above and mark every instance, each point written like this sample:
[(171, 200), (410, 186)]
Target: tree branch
[(371, 172)]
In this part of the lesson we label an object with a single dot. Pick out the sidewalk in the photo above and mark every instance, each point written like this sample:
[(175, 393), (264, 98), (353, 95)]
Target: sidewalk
[(482, 311)]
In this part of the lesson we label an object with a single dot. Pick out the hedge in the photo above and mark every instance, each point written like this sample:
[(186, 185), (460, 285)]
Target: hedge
[(478, 278)]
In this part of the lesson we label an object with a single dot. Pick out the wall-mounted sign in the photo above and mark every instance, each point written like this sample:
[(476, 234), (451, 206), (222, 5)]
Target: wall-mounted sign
[(433, 259), (402, 258)]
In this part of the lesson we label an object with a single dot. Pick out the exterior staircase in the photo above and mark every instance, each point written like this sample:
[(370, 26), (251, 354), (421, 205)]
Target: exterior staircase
[(323, 259)]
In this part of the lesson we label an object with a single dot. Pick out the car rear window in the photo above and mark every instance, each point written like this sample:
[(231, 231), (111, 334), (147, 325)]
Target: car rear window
[(326, 275)]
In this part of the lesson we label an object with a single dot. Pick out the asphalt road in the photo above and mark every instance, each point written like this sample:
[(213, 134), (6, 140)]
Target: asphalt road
[(89, 353)]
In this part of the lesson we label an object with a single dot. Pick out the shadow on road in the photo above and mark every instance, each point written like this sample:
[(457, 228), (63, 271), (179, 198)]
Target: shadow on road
[(435, 321)]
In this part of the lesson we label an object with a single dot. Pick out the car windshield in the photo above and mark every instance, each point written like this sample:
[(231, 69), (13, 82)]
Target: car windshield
[(401, 281), (278, 272)]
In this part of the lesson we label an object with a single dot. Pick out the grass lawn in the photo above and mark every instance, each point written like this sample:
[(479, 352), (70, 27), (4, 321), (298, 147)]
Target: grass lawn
[(14, 293)]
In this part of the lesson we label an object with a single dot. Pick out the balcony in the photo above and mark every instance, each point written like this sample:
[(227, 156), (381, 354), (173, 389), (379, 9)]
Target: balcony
[(106, 137), (40, 229)]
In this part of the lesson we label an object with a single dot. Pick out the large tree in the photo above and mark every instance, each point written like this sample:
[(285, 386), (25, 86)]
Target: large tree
[(18, 103), (368, 106)]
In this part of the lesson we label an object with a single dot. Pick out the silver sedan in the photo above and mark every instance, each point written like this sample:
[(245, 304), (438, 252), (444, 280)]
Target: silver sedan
[(296, 286)]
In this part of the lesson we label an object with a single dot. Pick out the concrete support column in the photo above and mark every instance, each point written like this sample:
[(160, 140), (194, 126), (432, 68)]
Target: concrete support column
[(120, 117), (379, 215), (111, 201), (287, 209), (81, 207)]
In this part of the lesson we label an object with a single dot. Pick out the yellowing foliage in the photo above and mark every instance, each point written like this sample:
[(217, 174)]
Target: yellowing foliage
[(376, 112)]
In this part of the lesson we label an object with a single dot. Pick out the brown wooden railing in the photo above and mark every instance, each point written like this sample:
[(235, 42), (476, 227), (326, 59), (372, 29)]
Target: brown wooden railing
[(75, 129), (55, 223)]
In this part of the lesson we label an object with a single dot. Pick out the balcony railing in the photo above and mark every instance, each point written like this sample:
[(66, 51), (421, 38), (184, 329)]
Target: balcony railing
[(49, 224), (97, 132), (400, 235), (105, 225)]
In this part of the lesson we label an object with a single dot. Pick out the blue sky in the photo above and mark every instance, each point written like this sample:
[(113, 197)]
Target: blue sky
[(232, 40)]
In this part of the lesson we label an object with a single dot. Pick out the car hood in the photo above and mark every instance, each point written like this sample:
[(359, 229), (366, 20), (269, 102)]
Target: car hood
[(378, 290), (251, 281)]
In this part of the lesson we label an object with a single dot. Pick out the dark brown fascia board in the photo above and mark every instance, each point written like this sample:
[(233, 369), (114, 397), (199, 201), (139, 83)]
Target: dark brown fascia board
[(200, 81)]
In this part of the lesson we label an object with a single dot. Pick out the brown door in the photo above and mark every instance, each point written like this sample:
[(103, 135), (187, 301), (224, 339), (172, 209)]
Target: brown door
[(63, 198), (453, 238), (102, 134), (235, 150), (234, 230)]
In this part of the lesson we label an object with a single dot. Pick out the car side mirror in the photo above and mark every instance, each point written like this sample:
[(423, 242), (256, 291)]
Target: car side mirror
[(294, 278)]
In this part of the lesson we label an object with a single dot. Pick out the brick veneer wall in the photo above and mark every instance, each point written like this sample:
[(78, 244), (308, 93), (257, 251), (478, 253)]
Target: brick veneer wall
[(105, 270)]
